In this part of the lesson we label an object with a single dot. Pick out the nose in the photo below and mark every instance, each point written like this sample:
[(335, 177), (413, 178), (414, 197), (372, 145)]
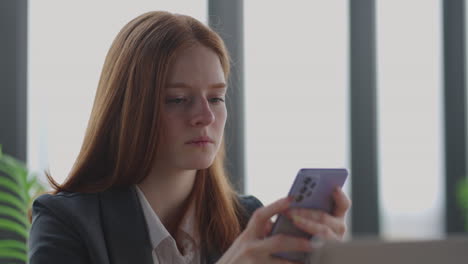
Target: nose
[(202, 114)]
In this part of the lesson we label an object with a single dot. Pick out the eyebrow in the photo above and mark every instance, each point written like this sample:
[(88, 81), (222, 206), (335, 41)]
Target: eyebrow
[(184, 85)]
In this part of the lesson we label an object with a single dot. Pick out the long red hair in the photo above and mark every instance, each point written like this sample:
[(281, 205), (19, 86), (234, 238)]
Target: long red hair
[(123, 132)]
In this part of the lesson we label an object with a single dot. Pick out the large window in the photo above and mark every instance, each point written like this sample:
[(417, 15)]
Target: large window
[(296, 72), (297, 104), (409, 45), (68, 42)]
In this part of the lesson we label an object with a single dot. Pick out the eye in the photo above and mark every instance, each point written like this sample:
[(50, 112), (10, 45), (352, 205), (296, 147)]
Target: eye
[(216, 100), (178, 100)]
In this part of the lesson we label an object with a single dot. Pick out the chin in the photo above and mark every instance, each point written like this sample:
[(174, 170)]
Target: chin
[(198, 164)]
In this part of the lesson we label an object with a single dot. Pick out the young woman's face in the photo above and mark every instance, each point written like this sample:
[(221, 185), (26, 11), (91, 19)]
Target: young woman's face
[(194, 111)]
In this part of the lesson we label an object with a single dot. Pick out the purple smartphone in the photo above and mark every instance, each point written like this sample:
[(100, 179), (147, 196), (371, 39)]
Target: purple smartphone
[(312, 189)]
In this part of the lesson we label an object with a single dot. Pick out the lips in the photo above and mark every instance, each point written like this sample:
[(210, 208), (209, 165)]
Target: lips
[(200, 140)]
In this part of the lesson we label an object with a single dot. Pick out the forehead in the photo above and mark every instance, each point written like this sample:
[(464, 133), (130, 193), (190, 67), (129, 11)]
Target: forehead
[(197, 65)]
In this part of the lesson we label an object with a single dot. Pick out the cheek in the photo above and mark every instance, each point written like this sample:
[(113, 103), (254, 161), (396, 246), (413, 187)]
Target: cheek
[(221, 118), (170, 127), (172, 120)]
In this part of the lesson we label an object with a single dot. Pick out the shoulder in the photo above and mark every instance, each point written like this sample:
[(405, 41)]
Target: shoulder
[(250, 202), (65, 197), (64, 205), (74, 211), (59, 224)]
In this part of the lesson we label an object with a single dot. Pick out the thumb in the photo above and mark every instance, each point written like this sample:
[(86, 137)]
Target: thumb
[(261, 217)]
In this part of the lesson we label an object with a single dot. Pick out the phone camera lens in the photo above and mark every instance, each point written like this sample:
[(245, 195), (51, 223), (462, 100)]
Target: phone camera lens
[(303, 189), (307, 180), (299, 198), (313, 185)]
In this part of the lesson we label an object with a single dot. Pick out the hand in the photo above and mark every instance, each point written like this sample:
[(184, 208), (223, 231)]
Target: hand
[(252, 245), (321, 224)]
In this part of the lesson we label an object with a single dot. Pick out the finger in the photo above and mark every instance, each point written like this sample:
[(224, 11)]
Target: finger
[(276, 260), (342, 203), (268, 227), (261, 216), (315, 228), (282, 243), (336, 224)]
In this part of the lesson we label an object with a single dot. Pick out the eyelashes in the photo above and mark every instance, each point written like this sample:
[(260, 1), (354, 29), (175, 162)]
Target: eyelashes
[(216, 100), (184, 100), (176, 101)]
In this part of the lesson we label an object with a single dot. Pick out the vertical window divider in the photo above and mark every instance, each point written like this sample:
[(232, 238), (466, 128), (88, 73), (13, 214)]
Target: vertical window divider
[(454, 109), (226, 17), (363, 103)]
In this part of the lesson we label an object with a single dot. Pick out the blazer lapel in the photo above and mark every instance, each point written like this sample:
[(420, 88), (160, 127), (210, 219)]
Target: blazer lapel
[(124, 227)]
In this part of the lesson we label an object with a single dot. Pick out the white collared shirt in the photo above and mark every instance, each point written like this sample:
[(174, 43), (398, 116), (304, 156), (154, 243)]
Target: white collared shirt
[(164, 246)]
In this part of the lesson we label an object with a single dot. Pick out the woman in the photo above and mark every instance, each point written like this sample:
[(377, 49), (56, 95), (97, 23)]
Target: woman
[(149, 185)]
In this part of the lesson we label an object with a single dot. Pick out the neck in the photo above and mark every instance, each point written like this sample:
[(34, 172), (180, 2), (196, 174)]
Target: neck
[(167, 192)]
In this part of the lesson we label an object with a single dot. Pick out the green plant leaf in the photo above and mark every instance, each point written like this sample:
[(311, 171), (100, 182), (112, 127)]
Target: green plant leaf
[(20, 188), (8, 225), (15, 169), (20, 173), (32, 181), (33, 186), (14, 163), (13, 187), (14, 213), (462, 194), (462, 198), (10, 254), (8, 170), (14, 245), (13, 200)]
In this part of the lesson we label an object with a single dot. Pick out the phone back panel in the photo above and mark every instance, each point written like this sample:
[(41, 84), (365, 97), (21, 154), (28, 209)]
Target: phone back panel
[(313, 189)]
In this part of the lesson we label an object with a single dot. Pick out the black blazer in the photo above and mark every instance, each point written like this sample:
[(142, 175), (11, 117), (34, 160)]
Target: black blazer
[(101, 228)]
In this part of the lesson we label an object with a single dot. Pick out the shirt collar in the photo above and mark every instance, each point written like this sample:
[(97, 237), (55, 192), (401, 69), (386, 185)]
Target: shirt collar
[(157, 231)]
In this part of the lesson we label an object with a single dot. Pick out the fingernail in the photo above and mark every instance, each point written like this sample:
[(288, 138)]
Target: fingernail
[(297, 219)]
